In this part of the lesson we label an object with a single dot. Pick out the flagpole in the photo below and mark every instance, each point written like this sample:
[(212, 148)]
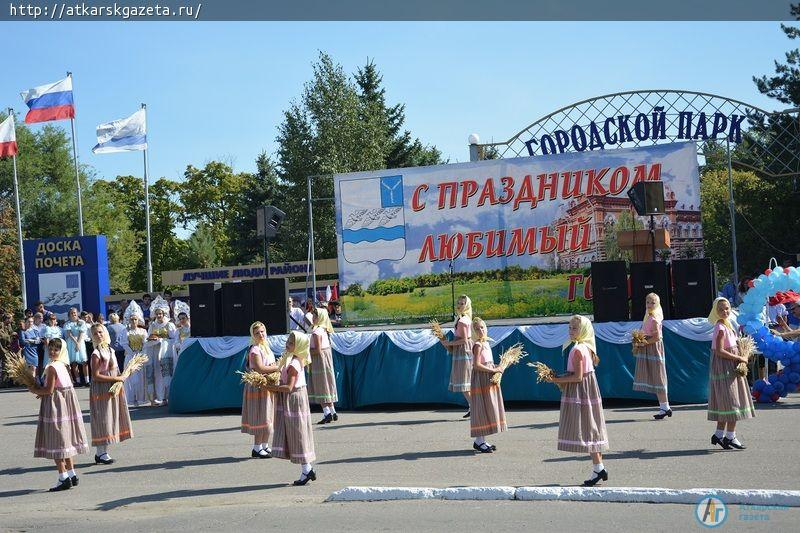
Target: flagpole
[(77, 171), (147, 218), (19, 227)]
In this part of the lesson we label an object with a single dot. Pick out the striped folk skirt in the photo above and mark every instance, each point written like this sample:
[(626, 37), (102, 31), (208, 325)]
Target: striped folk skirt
[(60, 433), (111, 421), (294, 438), (461, 368), (651, 371), (487, 412), (258, 413), (322, 382), (581, 424), (729, 396)]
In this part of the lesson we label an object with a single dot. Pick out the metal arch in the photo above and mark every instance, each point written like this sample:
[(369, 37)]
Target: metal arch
[(612, 95), (777, 155)]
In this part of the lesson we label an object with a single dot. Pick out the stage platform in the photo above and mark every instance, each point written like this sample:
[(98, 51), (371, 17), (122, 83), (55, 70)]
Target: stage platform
[(409, 366)]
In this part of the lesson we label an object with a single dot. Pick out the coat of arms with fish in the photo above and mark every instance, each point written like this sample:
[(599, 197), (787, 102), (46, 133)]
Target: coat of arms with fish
[(373, 222)]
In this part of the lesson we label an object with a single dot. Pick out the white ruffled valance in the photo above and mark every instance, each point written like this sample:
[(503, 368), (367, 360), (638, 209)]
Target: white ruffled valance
[(616, 332), (696, 329), (499, 333), (218, 347), (412, 340), (546, 335), (418, 340), (353, 342)]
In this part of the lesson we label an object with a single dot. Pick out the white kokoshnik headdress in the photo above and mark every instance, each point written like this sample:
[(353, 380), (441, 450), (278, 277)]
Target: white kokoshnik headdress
[(133, 309), (159, 303), (181, 307)]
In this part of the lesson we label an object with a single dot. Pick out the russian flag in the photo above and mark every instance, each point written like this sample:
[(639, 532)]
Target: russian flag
[(49, 102), (8, 137)]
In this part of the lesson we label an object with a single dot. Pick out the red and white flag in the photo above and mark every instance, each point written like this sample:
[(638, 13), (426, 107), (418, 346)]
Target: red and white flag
[(8, 137)]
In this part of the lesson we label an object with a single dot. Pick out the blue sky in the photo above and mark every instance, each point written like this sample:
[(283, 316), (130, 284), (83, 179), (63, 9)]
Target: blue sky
[(217, 90)]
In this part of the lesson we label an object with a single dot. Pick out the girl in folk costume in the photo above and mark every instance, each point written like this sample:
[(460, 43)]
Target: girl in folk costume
[(322, 388), (75, 333), (184, 328), (729, 397), (60, 434), (461, 350), (258, 409), (159, 348), (651, 371), (51, 330), (111, 422), (133, 344), (487, 412), (581, 424), (294, 438)]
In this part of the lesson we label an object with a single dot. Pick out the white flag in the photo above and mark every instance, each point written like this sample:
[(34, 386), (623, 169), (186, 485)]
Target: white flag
[(123, 135)]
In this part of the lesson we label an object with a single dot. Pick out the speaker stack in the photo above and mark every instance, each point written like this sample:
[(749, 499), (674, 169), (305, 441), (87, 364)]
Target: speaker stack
[(610, 291), (205, 305), (694, 287), (646, 278), (270, 304)]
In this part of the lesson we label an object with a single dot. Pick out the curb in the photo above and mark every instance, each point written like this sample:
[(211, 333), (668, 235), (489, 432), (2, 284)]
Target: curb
[(786, 498)]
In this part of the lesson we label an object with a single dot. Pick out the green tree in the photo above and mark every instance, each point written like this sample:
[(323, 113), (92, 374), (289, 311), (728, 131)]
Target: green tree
[(624, 222), (168, 251), (755, 215), (262, 188), (10, 292), (400, 149), (213, 196), (340, 124), (103, 218), (202, 248), (46, 172), (784, 85)]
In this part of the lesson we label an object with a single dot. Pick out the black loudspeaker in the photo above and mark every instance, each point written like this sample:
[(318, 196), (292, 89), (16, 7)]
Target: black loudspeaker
[(693, 282), (647, 278), (610, 291), (205, 305), (647, 197), (268, 221), (269, 304), (237, 308)]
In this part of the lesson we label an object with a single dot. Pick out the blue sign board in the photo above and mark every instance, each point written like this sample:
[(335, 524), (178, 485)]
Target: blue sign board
[(65, 272)]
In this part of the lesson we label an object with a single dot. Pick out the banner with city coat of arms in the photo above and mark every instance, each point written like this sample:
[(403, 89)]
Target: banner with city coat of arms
[(516, 235)]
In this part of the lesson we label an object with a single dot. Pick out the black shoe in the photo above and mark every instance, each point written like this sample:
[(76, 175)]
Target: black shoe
[(335, 417), (74, 481), (305, 478), (62, 485), (466, 415), (327, 419), (108, 461), (731, 444), (258, 455), (662, 414), (597, 477), (483, 448), (720, 441)]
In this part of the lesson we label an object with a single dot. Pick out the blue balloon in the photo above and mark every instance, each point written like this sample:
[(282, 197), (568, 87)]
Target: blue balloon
[(783, 378), (759, 385), (791, 387), (779, 387)]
